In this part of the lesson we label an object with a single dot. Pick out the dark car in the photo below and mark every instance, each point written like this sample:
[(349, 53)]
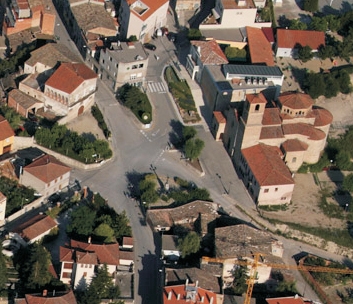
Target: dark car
[(172, 37), (150, 46), (54, 198)]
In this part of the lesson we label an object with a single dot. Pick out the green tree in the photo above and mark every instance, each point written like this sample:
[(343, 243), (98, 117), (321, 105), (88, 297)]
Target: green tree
[(148, 189), (240, 280), (188, 132), (327, 51), (314, 84), (194, 34), (11, 116), (333, 22), (101, 287), (348, 182), (105, 233), (121, 225), (37, 267), (265, 14), (332, 87), (193, 148), (233, 53), (311, 5), (81, 222), (318, 24), (190, 244), (305, 53), (3, 271), (344, 81), (296, 24), (132, 38)]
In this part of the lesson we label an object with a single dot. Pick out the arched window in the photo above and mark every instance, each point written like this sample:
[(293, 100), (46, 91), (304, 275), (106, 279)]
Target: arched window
[(257, 107)]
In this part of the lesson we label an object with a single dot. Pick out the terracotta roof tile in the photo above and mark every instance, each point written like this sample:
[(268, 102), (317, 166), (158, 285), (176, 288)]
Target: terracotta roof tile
[(268, 32), (5, 129), (292, 145), (26, 101), (106, 253), (36, 226), (211, 53), (259, 47), (271, 117), (296, 100), (66, 254), (322, 116), (67, 298), (289, 38), (271, 132), (127, 240), (267, 165), (69, 76), (188, 295), (2, 197), (256, 98), (303, 129), (219, 117), (86, 258), (126, 255), (153, 6), (289, 300), (47, 168)]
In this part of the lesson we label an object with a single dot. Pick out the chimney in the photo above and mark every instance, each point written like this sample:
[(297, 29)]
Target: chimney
[(211, 300), (84, 191), (89, 240), (178, 296), (202, 299), (170, 295), (54, 293), (197, 283), (199, 50), (187, 282), (45, 293)]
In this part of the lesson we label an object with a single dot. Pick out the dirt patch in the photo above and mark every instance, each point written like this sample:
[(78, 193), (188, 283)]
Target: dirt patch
[(304, 208)]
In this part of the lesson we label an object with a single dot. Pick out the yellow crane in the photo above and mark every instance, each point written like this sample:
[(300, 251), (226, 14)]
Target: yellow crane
[(254, 264)]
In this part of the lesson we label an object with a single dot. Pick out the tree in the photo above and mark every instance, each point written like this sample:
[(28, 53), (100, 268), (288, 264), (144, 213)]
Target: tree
[(105, 233), (82, 221), (296, 24), (344, 81), (327, 51), (348, 182), (305, 53), (193, 148), (233, 53), (132, 38), (343, 160), (240, 279), (190, 244), (148, 189), (101, 287), (332, 87), (194, 34), (265, 14), (37, 268), (318, 24), (3, 271), (314, 85), (333, 22), (121, 225), (311, 5), (188, 132)]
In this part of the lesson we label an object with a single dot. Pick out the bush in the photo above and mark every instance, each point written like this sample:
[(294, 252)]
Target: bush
[(97, 114)]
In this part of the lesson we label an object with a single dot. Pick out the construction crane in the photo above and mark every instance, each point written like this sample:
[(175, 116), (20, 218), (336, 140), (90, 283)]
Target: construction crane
[(254, 264)]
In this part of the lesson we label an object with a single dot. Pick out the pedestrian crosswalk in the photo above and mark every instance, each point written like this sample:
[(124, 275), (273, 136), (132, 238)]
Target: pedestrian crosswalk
[(156, 87)]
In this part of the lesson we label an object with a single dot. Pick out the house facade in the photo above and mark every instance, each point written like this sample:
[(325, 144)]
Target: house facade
[(124, 62), (289, 40), (2, 207), (229, 84), (7, 136), (142, 18), (22, 103), (203, 53), (48, 298), (79, 261), (46, 175)]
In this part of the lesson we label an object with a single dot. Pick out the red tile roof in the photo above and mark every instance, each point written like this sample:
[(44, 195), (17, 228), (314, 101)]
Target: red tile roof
[(322, 116), (2, 197), (219, 117), (267, 165), (153, 6), (289, 38), (69, 76), (289, 300), (86, 258), (268, 32), (47, 168), (271, 117), (36, 226), (66, 254), (5, 129), (68, 298), (303, 129), (292, 145), (271, 132), (128, 241), (210, 52), (106, 253), (256, 98), (259, 47), (296, 100), (187, 294)]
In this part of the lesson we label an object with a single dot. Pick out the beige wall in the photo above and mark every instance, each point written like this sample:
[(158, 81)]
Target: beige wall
[(294, 160), (2, 209), (275, 195), (5, 143), (31, 92)]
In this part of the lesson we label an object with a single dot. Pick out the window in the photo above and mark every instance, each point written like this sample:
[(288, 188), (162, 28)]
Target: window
[(85, 274), (294, 159), (134, 66), (140, 65), (266, 190), (133, 76), (257, 107), (110, 58), (103, 61), (276, 189), (283, 198), (117, 65)]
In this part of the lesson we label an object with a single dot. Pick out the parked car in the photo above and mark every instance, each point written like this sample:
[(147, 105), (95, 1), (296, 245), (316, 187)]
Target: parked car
[(172, 37), (150, 46)]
